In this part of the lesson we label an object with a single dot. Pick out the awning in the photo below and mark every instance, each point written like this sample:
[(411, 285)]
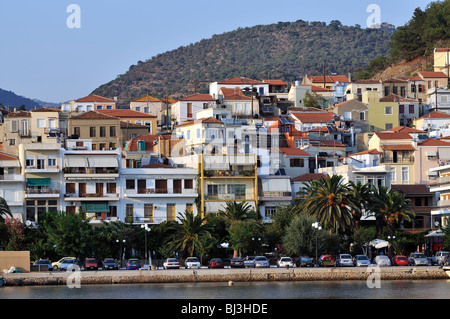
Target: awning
[(276, 185), (75, 162), (38, 182), (101, 161), (95, 207)]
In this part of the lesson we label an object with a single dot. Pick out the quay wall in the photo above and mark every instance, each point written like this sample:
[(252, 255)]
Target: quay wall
[(223, 275)]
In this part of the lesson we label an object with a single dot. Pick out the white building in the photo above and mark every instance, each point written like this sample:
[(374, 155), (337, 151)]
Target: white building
[(185, 108), (12, 184), (242, 83)]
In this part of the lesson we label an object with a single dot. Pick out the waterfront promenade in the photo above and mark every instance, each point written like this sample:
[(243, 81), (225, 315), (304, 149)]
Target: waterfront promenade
[(224, 275)]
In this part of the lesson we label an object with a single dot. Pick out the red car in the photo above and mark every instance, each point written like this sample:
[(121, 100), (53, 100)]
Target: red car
[(400, 261), (90, 263), (215, 263)]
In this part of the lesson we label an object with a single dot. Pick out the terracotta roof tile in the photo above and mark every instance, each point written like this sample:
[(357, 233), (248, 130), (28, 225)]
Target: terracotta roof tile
[(212, 120), (308, 177), (93, 115), (94, 98), (121, 113), (240, 81), (435, 115), (432, 74), (47, 109), (398, 147), (314, 117), (396, 98), (387, 135), (434, 142), (19, 114), (329, 78), (198, 97), (7, 157), (372, 151), (292, 151)]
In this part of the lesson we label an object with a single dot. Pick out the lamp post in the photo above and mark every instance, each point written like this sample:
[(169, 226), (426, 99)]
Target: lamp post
[(317, 228), (390, 239), (147, 229), (120, 250)]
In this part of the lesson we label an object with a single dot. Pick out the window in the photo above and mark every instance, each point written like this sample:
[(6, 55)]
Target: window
[(148, 212), (12, 142), (76, 131), (411, 109), (171, 212), (189, 110), (102, 131), (401, 109), (198, 133), (129, 212), (40, 123), (130, 184), (347, 115), (92, 131), (190, 207), (388, 126), (238, 191), (393, 174), (14, 126), (52, 123), (52, 161), (188, 184), (188, 134), (388, 110), (110, 188), (112, 131), (269, 211), (362, 115), (405, 174), (297, 162)]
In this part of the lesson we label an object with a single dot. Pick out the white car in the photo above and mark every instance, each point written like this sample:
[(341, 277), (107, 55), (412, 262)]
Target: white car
[(261, 262), (417, 259), (382, 260), (171, 263), (192, 262), (285, 262), (440, 257)]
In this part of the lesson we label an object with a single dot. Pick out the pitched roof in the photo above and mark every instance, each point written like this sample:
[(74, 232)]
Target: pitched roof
[(7, 157), (328, 78), (240, 81), (387, 135), (290, 151), (124, 124), (411, 189), (396, 98), (442, 49), (433, 142), (398, 147), (405, 129), (435, 115), (209, 120), (132, 145), (308, 177), (314, 117), (275, 82), (93, 115), (19, 114), (433, 74), (126, 113), (371, 151), (326, 143), (47, 109), (198, 97), (94, 98)]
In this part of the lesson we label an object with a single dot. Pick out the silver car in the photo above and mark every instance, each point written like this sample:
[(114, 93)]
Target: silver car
[(361, 261), (261, 262), (382, 260), (417, 259), (344, 260), (440, 257)]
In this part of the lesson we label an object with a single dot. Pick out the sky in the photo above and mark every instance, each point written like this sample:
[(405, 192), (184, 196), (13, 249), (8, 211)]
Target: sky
[(53, 51)]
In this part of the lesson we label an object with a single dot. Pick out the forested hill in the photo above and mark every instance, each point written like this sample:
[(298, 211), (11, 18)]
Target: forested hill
[(285, 50)]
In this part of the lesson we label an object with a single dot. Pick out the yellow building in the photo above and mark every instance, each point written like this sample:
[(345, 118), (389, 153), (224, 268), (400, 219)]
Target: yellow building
[(227, 178), (441, 60), (134, 117), (398, 152), (383, 115)]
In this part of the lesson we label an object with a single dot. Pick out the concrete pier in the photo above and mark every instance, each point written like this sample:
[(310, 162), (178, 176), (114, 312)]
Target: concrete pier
[(224, 275)]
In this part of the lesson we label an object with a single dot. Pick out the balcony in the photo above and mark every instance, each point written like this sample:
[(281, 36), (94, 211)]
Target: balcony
[(161, 192), (46, 192), (90, 173), (225, 197), (11, 178), (91, 197), (42, 169), (229, 173), (275, 196), (398, 160)]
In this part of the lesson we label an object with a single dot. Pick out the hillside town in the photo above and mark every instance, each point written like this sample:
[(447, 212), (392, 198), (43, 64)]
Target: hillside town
[(247, 140)]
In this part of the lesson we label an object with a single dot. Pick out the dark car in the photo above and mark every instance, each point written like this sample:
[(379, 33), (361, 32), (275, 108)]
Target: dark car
[(304, 261), (215, 263), (133, 264), (110, 263), (44, 262), (90, 263), (237, 262)]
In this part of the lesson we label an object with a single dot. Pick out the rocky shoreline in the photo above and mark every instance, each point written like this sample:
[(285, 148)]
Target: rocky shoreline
[(223, 275)]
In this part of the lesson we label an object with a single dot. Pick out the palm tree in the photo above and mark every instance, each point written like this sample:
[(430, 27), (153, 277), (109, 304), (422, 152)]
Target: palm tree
[(188, 233), (5, 211), (329, 201), (361, 195), (392, 207), (236, 212)]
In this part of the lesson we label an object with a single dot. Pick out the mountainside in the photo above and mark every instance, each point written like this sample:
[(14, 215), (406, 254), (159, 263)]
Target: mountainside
[(286, 51), (8, 98)]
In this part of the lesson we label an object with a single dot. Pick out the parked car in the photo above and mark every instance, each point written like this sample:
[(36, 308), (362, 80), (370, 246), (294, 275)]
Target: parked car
[(417, 259), (237, 262), (261, 262), (399, 261), (440, 257), (344, 260), (171, 263), (382, 260), (285, 262), (57, 264), (110, 263), (44, 262), (249, 261), (90, 263), (67, 263), (215, 263), (326, 261), (304, 261), (133, 264), (192, 262), (361, 261)]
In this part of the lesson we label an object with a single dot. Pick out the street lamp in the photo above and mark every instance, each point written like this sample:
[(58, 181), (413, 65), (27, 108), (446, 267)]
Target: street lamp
[(317, 228), (147, 229), (391, 248)]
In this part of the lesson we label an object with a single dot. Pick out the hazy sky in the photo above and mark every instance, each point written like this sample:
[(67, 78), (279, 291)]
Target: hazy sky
[(41, 57)]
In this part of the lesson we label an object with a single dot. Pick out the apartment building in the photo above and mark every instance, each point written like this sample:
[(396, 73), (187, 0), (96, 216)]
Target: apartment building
[(12, 184)]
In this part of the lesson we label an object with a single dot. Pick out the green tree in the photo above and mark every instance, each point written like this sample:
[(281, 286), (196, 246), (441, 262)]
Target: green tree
[(188, 233), (361, 196), (5, 211), (314, 100), (328, 200)]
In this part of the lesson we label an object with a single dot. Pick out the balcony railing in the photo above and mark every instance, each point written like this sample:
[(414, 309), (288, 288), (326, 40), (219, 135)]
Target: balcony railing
[(229, 173), (68, 170), (142, 191), (276, 194), (31, 191), (226, 197), (399, 160)]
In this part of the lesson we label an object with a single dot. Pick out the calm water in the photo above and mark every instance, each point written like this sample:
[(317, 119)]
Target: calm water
[(420, 289)]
